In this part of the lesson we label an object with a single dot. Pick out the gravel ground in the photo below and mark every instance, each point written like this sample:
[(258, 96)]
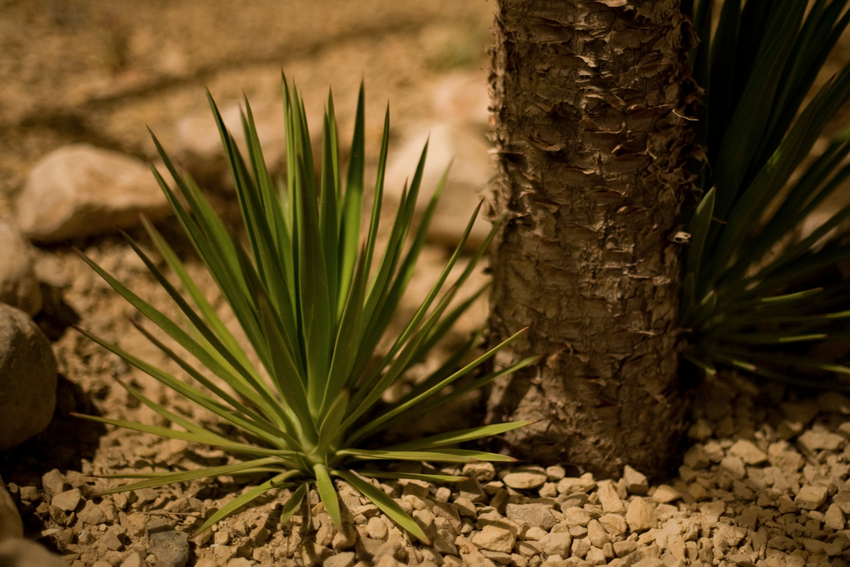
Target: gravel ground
[(764, 474), (763, 483)]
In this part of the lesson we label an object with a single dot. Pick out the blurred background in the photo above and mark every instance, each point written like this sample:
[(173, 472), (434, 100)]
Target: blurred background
[(101, 72)]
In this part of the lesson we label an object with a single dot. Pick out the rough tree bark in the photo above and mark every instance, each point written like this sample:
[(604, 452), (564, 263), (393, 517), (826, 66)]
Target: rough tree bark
[(588, 102)]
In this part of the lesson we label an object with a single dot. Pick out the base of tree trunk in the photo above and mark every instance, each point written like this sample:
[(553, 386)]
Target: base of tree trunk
[(589, 101)]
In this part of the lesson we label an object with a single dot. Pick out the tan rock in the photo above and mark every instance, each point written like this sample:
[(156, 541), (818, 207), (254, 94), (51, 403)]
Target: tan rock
[(624, 548), (344, 538), (697, 491), (19, 552), (614, 524), (595, 556), (482, 472), (377, 529), (53, 481), (820, 440), (712, 511), (641, 515), (834, 517), (558, 543), (836, 547), (608, 497), (448, 512), (734, 466), (18, 284), (555, 472), (636, 482), (575, 516), (314, 554), (135, 559), (597, 534), (345, 559), (531, 514), (580, 547), (27, 378), (572, 485), (714, 451), (470, 555), (91, 514), (811, 497), (748, 452), (666, 494), (81, 190), (68, 500), (695, 458), (525, 480), (495, 538)]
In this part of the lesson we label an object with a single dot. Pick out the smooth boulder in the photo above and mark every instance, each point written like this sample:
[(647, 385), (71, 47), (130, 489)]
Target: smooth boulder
[(19, 552), (18, 284), (81, 190), (27, 378)]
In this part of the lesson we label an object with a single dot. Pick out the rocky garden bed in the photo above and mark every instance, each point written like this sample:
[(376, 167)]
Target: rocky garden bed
[(764, 473)]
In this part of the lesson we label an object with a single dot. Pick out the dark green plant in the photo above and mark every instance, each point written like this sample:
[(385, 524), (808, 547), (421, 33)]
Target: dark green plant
[(755, 295), (313, 310)]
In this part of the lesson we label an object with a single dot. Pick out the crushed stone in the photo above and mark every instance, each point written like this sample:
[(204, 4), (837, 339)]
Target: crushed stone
[(754, 498)]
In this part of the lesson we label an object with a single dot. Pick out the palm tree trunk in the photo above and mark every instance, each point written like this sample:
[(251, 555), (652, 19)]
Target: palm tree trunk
[(588, 101)]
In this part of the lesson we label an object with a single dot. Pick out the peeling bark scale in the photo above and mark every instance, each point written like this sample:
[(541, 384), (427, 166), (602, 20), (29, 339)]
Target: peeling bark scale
[(588, 102)]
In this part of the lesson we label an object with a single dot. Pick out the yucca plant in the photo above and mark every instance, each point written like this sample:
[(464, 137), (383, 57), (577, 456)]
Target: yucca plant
[(313, 311), (756, 296)]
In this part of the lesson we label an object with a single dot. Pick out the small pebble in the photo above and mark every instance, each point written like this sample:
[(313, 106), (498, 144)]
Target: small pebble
[(495, 539), (636, 482), (666, 494), (524, 480), (811, 497), (641, 515), (68, 500), (834, 517), (609, 498), (556, 544), (820, 440), (748, 452)]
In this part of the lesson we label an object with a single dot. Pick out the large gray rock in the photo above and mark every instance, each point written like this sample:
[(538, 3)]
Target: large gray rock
[(11, 524), (81, 190), (18, 284), (27, 378), (19, 552)]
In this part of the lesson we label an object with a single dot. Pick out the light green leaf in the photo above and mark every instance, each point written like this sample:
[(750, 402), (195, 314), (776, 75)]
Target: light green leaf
[(291, 505), (234, 505), (327, 492), (185, 476), (412, 476), (437, 455), (455, 437)]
